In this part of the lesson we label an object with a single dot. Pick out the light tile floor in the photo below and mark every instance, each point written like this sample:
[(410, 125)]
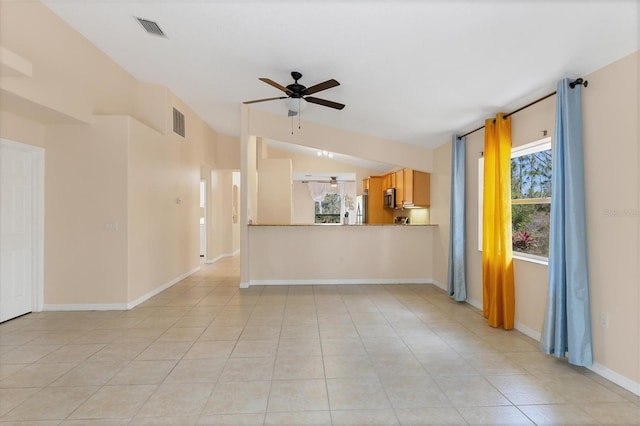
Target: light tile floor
[(206, 352)]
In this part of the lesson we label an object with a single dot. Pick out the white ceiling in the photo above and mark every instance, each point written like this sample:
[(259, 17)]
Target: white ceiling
[(412, 71)]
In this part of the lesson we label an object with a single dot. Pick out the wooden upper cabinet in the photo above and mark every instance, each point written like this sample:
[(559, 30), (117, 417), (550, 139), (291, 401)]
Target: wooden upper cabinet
[(421, 189), (407, 193), (365, 185), (413, 188), (399, 178)]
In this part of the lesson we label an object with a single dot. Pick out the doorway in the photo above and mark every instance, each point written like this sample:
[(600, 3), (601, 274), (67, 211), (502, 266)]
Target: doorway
[(203, 220), (21, 229)]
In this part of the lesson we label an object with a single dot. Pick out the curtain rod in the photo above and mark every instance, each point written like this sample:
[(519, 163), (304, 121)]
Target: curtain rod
[(573, 84)]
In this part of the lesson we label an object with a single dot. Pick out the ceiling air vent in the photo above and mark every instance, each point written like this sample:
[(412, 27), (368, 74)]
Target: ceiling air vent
[(178, 122), (151, 27)]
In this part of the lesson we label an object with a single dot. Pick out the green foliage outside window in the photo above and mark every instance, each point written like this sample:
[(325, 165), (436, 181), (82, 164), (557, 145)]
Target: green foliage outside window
[(531, 202), (328, 210)]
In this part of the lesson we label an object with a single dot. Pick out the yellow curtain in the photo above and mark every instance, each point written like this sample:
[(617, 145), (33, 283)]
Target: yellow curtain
[(498, 301)]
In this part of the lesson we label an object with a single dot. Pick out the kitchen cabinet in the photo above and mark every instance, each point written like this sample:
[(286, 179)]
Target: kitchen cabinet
[(399, 181), (376, 213), (413, 188), (391, 180)]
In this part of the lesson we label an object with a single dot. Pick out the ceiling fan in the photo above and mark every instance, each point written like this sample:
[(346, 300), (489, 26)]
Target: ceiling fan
[(296, 92)]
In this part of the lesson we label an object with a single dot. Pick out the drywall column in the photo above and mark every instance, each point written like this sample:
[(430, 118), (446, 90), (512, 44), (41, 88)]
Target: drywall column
[(245, 209), (274, 195)]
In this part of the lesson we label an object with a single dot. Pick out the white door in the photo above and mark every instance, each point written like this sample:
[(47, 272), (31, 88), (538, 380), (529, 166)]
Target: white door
[(19, 176)]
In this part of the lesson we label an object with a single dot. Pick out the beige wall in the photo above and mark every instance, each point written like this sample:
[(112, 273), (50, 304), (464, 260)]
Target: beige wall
[(611, 118), (86, 188), (304, 210), (114, 231), (275, 191), (338, 254), (19, 128), (278, 127), (66, 66), (228, 154), (610, 113), (311, 163)]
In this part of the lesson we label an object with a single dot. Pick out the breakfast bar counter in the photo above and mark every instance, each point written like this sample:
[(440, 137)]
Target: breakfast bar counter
[(340, 254)]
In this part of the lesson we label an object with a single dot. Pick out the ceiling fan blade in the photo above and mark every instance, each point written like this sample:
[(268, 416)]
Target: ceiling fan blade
[(324, 102), (320, 86), (266, 99), (276, 85)]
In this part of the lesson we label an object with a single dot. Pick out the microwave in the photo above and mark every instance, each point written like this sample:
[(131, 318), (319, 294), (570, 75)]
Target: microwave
[(389, 198)]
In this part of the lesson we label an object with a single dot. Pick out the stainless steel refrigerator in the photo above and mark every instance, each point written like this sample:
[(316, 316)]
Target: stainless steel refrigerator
[(362, 205)]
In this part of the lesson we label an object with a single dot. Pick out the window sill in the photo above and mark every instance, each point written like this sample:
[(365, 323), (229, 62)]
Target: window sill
[(531, 258)]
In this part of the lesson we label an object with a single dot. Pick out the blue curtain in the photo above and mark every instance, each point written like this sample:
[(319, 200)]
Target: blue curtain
[(457, 277), (567, 322)]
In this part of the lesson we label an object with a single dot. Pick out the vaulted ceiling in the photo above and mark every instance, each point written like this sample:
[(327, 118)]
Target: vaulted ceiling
[(411, 71)]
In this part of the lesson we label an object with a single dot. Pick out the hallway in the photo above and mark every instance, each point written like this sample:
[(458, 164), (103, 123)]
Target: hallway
[(206, 352)]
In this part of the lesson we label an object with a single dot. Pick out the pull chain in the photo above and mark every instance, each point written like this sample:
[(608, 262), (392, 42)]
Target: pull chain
[(299, 113)]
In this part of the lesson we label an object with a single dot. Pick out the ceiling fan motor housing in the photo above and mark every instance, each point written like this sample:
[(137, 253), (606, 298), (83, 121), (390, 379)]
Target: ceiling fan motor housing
[(296, 88)]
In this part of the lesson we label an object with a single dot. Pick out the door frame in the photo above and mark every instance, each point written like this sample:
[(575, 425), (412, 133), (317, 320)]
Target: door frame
[(206, 222), (37, 155)]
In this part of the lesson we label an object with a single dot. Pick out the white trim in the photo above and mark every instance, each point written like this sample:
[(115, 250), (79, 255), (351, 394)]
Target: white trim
[(160, 289), (86, 307), (527, 331), (222, 256), (214, 260), (616, 378), (543, 144), (118, 306), (532, 258), (37, 303), (439, 284), (346, 281), (476, 304)]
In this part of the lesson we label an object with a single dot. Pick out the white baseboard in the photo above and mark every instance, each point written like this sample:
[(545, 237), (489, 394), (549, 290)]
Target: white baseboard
[(473, 302), (535, 335), (346, 281), (214, 260), (616, 378), (117, 306), (222, 256), (437, 283), (160, 289), (85, 307)]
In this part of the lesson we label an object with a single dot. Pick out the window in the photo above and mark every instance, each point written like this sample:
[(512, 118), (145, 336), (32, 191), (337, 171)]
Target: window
[(530, 199), (328, 210)]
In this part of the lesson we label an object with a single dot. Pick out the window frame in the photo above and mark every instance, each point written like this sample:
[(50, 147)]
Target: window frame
[(332, 215), (526, 149)]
